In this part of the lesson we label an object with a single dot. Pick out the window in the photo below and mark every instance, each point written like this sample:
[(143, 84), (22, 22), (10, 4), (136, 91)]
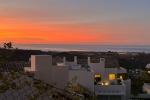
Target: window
[(112, 76), (97, 78), (122, 76), (97, 75)]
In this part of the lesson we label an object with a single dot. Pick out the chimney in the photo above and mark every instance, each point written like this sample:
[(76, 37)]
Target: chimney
[(75, 59), (89, 60), (102, 61), (64, 60)]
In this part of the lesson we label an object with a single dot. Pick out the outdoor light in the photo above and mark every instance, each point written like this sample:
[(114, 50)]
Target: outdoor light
[(106, 83), (121, 77)]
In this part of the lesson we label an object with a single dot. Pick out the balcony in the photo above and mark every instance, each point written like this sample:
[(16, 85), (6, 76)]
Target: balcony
[(110, 90)]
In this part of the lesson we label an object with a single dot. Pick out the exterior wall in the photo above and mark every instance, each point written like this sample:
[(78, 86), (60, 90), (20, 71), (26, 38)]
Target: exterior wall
[(84, 78), (43, 64), (33, 61), (98, 68), (45, 71), (33, 65), (146, 88), (110, 90), (109, 71), (110, 97), (121, 70), (128, 88), (113, 71), (60, 76), (119, 91)]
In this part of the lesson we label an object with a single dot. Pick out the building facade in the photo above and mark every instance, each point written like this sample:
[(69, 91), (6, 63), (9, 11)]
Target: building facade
[(105, 83)]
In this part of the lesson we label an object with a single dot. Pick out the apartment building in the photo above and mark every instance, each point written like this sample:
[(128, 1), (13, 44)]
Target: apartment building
[(107, 83)]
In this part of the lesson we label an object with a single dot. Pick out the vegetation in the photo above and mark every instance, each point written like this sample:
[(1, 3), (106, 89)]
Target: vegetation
[(8, 45), (137, 84), (78, 90), (134, 61), (128, 60)]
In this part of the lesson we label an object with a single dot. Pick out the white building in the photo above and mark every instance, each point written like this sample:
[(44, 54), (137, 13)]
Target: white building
[(110, 82), (148, 68), (146, 88), (45, 71), (106, 83)]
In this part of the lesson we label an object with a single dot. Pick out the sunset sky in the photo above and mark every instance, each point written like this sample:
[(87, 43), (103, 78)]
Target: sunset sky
[(75, 21)]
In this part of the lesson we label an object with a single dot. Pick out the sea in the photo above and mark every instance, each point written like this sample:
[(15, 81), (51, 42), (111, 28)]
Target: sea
[(79, 47)]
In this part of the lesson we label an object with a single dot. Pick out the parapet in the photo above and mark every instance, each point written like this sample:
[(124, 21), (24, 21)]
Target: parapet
[(102, 60)]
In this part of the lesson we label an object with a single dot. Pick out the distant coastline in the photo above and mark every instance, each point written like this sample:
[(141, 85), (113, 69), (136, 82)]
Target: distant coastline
[(92, 48)]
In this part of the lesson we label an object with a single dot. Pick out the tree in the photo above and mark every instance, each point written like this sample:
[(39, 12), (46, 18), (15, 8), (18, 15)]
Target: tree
[(8, 45)]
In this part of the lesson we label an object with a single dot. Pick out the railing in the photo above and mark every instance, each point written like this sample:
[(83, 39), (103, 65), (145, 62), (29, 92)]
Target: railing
[(110, 90)]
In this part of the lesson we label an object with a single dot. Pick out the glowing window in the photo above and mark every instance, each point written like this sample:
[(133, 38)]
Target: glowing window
[(112, 76), (97, 76)]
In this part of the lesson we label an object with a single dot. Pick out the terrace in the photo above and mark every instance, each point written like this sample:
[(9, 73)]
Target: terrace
[(110, 90)]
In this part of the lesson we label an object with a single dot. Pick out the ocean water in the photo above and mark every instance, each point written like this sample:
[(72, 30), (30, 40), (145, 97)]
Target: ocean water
[(96, 48)]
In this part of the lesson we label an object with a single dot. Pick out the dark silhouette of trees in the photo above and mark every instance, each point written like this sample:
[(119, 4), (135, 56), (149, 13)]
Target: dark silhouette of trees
[(8, 45)]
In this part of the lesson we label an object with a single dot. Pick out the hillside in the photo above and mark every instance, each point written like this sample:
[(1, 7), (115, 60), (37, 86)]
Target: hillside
[(113, 59)]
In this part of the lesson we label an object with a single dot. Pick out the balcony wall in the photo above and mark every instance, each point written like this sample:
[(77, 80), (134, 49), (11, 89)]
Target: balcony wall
[(110, 90)]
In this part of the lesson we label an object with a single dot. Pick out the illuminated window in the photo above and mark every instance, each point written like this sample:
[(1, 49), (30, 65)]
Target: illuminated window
[(97, 75), (112, 76), (97, 78), (122, 76)]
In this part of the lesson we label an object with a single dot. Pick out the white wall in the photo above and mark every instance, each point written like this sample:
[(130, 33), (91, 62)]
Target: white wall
[(43, 64), (60, 76), (33, 67), (128, 88), (45, 71), (111, 90), (84, 78), (146, 88), (99, 68)]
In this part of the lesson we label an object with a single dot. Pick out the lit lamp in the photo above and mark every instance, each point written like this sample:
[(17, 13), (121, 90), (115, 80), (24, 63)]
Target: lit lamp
[(121, 77), (105, 83)]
